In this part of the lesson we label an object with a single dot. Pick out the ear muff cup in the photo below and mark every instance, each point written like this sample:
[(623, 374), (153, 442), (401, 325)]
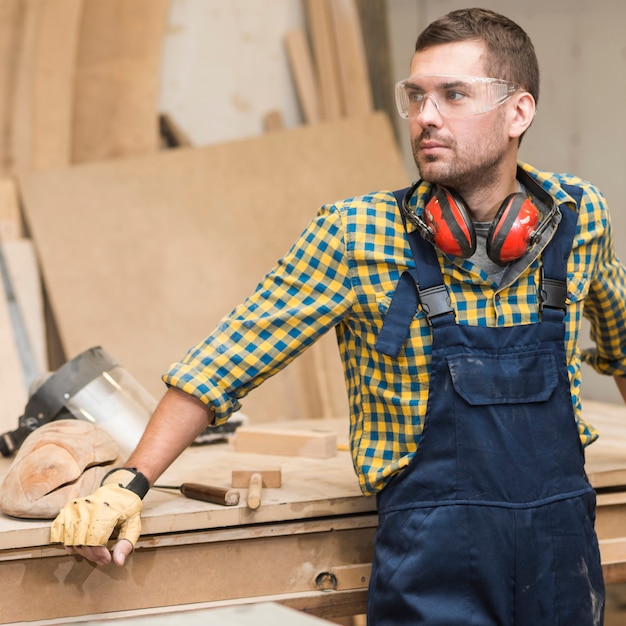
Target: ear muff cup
[(448, 221), (450, 228), (513, 226)]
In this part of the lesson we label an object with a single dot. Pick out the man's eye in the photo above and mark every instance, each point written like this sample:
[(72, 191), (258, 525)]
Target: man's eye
[(415, 96), (454, 95)]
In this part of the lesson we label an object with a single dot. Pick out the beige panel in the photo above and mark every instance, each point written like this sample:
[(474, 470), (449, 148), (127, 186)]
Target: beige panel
[(117, 79), (143, 256), (10, 32), (42, 108)]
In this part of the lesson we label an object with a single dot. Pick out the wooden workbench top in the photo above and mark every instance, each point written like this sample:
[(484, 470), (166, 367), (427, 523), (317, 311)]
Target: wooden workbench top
[(311, 488)]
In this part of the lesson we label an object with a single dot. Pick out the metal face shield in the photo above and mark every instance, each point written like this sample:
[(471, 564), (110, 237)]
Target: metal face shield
[(453, 96)]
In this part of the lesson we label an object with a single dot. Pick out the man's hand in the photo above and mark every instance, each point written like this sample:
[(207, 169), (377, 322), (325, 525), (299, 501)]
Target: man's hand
[(85, 525)]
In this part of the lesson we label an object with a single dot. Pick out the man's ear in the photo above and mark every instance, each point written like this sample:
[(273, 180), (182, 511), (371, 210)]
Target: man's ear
[(522, 114)]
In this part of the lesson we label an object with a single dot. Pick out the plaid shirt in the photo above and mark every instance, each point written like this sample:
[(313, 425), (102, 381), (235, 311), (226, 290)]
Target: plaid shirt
[(341, 274)]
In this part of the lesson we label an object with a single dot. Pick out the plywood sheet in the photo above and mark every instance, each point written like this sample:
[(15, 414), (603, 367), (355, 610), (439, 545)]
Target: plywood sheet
[(118, 70), (144, 255), (10, 32), (43, 102)]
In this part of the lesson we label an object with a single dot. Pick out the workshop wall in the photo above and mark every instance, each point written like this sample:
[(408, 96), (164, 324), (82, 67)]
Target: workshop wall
[(224, 67)]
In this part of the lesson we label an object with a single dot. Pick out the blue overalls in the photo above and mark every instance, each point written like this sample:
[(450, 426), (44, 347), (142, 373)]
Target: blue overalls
[(492, 522)]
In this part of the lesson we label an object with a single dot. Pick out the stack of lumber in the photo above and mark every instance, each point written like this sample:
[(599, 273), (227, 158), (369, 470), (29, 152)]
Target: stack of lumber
[(330, 60), (79, 82), (141, 250)]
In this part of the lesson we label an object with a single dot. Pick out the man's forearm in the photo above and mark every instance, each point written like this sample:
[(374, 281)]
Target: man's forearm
[(620, 381), (178, 419)]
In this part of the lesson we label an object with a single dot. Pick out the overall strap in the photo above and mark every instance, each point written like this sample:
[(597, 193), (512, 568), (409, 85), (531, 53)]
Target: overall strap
[(424, 284), (553, 289), (416, 286)]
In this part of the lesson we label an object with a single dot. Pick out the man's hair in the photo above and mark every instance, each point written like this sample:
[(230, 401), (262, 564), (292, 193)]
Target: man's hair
[(510, 52)]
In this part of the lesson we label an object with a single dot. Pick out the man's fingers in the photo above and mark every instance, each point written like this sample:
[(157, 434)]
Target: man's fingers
[(99, 555), (121, 550)]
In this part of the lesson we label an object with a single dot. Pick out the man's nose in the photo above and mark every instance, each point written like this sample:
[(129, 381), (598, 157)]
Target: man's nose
[(429, 110)]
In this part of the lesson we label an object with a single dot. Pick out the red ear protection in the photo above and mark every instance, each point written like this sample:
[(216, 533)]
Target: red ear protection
[(450, 228), (513, 226), (449, 224)]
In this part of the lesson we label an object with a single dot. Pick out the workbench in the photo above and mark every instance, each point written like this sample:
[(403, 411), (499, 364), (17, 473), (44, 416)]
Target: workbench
[(308, 546)]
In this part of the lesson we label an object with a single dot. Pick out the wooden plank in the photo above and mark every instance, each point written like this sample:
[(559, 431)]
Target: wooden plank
[(43, 105), (116, 90), (355, 85), (10, 217), (606, 458), (267, 440), (320, 27), (11, 25), (13, 389), (375, 34), (301, 64), (23, 269), (149, 290)]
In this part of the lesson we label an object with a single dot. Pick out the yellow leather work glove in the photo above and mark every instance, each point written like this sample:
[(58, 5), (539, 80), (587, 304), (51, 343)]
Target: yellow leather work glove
[(116, 504)]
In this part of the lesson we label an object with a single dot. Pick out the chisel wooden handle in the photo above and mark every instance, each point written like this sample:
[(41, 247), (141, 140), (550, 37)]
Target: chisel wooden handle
[(206, 493)]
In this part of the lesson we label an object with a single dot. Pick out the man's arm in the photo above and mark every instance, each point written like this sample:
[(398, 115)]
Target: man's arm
[(178, 419), (620, 381)]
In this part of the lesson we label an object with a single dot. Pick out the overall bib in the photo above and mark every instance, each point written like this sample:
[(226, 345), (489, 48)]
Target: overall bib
[(492, 522)]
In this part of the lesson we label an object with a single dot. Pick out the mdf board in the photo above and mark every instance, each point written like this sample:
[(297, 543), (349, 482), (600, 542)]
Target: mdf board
[(143, 256), (118, 69), (43, 100), (10, 30)]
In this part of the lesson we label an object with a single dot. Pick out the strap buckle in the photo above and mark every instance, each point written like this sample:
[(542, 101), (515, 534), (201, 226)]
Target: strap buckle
[(435, 301)]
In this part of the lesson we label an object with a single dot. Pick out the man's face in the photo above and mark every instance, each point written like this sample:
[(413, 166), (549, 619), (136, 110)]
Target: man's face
[(463, 153)]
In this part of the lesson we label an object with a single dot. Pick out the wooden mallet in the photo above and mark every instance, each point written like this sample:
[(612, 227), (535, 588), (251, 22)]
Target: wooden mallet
[(254, 481)]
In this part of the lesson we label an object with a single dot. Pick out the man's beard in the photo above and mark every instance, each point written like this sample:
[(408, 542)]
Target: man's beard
[(475, 167)]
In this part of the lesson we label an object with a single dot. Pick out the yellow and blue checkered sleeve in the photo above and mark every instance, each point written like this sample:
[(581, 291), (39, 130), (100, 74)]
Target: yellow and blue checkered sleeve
[(605, 304)]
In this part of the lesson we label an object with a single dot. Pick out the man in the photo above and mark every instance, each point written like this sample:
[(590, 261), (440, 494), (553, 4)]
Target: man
[(461, 356)]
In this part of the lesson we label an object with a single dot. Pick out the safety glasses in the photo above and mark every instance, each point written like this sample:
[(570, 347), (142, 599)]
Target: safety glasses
[(452, 96)]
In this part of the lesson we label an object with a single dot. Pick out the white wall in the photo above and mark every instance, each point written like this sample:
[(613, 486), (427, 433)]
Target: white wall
[(224, 67)]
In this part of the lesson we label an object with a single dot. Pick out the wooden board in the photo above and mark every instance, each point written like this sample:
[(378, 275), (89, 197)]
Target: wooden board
[(13, 389), (606, 458), (23, 270), (324, 47), (301, 63), (144, 255), (10, 33), (118, 70), (351, 57), (43, 105)]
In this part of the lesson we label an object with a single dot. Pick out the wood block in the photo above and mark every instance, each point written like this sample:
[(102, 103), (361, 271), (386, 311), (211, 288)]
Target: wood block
[(272, 477), (309, 443)]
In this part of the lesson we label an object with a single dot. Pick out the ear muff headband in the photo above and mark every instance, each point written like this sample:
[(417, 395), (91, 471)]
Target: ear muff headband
[(512, 228)]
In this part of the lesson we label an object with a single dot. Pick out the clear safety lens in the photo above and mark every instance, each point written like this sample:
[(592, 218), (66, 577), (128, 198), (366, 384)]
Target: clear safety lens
[(452, 96)]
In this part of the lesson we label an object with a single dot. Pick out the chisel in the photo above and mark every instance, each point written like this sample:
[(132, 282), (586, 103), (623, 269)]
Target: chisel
[(206, 493)]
